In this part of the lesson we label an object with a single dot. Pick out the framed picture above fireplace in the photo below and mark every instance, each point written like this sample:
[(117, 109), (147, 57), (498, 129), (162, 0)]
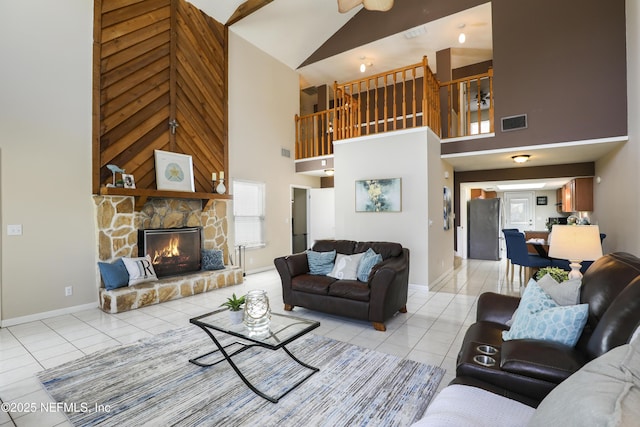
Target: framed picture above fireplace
[(174, 171)]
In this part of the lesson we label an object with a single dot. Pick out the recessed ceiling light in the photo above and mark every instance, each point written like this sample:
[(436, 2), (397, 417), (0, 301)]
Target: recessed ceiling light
[(521, 158)]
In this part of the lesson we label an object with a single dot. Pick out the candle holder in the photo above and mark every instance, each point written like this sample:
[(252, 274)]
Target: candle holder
[(257, 313), (213, 187)]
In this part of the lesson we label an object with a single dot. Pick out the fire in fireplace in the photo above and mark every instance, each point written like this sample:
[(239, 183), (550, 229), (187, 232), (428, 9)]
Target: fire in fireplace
[(173, 251)]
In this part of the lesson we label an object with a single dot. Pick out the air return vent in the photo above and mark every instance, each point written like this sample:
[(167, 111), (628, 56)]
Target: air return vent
[(514, 122)]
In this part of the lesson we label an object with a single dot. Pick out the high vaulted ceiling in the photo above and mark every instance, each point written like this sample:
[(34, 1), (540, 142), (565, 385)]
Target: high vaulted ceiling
[(325, 45)]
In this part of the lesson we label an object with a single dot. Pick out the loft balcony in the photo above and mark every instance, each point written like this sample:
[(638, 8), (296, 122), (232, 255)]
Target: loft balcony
[(403, 98)]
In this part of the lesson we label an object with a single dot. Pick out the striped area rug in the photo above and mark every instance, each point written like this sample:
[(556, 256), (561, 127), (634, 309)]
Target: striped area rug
[(152, 383)]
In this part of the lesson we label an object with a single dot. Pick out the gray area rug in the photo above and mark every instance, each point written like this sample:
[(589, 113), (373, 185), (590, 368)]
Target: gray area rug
[(151, 382)]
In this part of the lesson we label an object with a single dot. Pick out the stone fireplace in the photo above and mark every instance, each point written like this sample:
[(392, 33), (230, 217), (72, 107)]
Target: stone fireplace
[(118, 224)]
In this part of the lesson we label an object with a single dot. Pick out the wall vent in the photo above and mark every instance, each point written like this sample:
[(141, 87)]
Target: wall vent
[(285, 152), (514, 122)]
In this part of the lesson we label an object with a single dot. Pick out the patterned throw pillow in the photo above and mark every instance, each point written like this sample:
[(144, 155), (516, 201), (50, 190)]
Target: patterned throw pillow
[(539, 317), (140, 270), (114, 275), (212, 259), (367, 262), (320, 263), (346, 266)]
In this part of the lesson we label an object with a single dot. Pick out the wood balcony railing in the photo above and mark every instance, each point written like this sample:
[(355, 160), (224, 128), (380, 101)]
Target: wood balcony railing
[(403, 98), (469, 105)]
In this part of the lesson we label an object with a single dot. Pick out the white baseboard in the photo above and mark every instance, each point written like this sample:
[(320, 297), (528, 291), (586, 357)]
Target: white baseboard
[(47, 314)]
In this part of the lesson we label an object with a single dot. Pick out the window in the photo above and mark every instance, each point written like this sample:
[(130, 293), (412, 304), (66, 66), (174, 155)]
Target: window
[(248, 213), (484, 127)]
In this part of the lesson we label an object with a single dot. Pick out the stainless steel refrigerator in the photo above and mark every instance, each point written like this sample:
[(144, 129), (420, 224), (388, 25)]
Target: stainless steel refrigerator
[(484, 229)]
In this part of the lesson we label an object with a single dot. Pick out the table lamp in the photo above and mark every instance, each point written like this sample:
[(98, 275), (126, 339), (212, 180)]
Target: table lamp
[(575, 243)]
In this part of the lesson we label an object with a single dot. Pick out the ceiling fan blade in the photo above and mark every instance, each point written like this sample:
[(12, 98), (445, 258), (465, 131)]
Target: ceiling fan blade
[(346, 5), (380, 5)]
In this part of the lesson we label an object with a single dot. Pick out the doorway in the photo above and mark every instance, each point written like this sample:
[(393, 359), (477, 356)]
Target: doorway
[(519, 210), (299, 208)]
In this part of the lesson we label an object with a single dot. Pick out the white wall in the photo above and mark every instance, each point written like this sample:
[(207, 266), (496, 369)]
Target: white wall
[(263, 101), (617, 197), (45, 166), (406, 155)]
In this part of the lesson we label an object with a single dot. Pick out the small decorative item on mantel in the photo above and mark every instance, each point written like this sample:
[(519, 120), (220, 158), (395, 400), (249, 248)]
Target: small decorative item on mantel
[(213, 182), (114, 170), (220, 189)]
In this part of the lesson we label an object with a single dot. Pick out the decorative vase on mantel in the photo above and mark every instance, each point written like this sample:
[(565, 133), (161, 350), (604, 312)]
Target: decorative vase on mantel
[(220, 189)]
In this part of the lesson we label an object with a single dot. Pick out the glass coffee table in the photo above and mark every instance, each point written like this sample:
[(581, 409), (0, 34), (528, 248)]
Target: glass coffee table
[(283, 330)]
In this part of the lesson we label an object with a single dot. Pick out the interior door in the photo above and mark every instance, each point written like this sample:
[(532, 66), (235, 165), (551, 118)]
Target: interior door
[(519, 210), (299, 220)]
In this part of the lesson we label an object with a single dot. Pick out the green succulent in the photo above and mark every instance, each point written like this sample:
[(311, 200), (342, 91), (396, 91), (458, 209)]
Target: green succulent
[(233, 303)]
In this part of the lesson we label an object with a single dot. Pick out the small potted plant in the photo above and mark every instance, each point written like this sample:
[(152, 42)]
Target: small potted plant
[(558, 274), (234, 304)]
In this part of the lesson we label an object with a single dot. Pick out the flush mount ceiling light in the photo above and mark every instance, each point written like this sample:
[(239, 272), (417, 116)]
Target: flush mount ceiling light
[(329, 172), (521, 158)]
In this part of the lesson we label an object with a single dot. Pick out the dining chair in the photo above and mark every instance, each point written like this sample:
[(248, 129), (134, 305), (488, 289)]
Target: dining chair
[(508, 257), (519, 253)]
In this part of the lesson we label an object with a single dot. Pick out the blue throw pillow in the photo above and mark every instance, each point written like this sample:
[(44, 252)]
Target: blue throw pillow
[(539, 317), (321, 263), (369, 259), (212, 259), (114, 275)]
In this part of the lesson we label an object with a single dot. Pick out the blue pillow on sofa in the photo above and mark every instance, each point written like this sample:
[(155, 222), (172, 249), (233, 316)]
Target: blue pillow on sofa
[(369, 259), (320, 263), (540, 317), (114, 275)]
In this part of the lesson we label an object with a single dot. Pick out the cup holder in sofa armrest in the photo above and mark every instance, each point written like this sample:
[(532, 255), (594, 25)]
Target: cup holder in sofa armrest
[(484, 360)]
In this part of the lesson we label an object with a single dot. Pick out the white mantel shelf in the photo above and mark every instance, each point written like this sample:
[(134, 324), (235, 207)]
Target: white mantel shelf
[(142, 194)]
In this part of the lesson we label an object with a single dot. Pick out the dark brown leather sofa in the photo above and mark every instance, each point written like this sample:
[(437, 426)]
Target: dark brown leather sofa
[(377, 300), (527, 370)]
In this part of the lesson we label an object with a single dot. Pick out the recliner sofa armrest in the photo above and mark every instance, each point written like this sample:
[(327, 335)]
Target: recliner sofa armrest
[(544, 360), (496, 308)]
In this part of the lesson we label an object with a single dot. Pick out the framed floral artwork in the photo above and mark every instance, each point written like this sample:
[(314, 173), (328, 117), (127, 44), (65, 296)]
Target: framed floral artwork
[(174, 171), (379, 195)]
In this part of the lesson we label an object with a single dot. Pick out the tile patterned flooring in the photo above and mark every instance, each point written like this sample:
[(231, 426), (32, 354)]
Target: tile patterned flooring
[(430, 332)]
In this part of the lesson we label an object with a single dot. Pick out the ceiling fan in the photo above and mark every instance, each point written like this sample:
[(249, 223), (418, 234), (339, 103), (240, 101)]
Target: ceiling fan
[(379, 5)]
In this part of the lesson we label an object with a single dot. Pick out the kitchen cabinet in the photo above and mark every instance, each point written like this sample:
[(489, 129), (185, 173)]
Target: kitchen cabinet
[(577, 195)]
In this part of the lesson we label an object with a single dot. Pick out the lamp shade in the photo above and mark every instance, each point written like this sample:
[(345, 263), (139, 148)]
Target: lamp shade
[(575, 242)]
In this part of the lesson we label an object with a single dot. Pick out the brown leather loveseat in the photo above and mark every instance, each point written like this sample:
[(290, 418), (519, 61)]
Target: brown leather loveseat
[(526, 369), (376, 300)]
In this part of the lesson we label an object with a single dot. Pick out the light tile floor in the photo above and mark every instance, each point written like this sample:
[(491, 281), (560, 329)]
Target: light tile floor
[(430, 332)]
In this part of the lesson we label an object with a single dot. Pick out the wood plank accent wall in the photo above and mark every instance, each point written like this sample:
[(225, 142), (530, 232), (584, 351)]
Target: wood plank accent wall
[(156, 61)]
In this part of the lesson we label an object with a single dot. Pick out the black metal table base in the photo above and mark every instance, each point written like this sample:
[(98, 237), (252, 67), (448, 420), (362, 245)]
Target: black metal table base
[(227, 356)]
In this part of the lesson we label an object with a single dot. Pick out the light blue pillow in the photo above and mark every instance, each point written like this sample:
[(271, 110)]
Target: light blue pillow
[(321, 263), (114, 275), (539, 317), (369, 259)]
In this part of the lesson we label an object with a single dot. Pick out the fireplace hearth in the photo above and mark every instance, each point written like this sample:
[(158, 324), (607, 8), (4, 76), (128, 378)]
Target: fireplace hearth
[(173, 251)]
